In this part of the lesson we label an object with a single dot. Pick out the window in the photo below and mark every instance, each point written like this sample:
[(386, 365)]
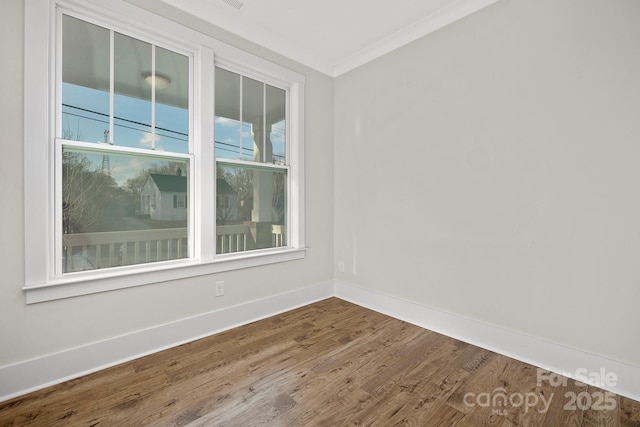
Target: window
[(251, 163), (123, 138), (179, 201), (161, 153)]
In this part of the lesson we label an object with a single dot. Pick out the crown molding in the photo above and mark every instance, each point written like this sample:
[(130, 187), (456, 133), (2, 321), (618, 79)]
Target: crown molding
[(441, 18), (232, 21)]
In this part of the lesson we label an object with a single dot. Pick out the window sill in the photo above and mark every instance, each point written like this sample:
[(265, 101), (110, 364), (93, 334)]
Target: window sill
[(93, 282)]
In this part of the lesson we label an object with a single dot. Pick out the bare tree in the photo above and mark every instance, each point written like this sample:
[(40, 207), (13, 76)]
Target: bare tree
[(88, 195), (241, 180)]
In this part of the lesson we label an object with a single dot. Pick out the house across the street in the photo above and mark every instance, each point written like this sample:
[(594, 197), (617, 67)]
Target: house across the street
[(164, 197)]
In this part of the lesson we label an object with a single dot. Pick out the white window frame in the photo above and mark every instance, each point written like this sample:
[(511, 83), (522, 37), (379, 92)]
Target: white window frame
[(42, 283)]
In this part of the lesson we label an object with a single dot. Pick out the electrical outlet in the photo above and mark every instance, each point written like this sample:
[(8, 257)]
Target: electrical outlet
[(220, 288), (341, 266)]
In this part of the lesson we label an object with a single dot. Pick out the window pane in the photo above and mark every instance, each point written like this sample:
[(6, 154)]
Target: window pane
[(276, 124), (85, 81), (253, 119), (250, 208), (132, 97), (227, 120), (250, 119), (118, 209), (86, 90), (172, 102)]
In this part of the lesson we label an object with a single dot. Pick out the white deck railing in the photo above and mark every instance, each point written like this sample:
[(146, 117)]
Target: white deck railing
[(238, 238), (232, 238), (87, 251), (277, 236)]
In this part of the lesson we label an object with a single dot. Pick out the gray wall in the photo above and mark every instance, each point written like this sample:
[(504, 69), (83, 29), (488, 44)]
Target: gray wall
[(28, 331), (492, 170)]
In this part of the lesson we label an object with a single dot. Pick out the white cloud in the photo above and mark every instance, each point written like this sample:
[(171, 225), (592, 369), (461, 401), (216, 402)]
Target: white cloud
[(224, 121), (149, 139)]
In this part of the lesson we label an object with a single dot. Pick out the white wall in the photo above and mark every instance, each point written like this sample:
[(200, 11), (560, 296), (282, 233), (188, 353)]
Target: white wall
[(489, 170), (30, 331), (492, 170)]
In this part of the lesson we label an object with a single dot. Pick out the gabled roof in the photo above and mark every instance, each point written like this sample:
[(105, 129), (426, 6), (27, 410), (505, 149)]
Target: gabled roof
[(170, 183)]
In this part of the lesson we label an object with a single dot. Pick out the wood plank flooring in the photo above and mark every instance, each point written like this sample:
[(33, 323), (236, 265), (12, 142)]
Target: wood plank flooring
[(331, 363)]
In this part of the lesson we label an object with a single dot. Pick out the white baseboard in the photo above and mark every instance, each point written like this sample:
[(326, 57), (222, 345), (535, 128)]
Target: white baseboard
[(535, 351), (34, 374)]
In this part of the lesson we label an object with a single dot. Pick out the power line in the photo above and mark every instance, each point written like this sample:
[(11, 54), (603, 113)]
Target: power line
[(124, 120), (235, 149)]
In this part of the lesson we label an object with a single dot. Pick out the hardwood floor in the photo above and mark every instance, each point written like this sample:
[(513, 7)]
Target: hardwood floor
[(331, 363)]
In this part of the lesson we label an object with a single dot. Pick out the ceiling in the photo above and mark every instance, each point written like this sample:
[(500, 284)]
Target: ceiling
[(331, 36)]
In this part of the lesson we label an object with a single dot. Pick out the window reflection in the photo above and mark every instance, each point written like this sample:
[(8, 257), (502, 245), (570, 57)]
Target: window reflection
[(121, 209), (141, 117), (251, 204), (250, 119)]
